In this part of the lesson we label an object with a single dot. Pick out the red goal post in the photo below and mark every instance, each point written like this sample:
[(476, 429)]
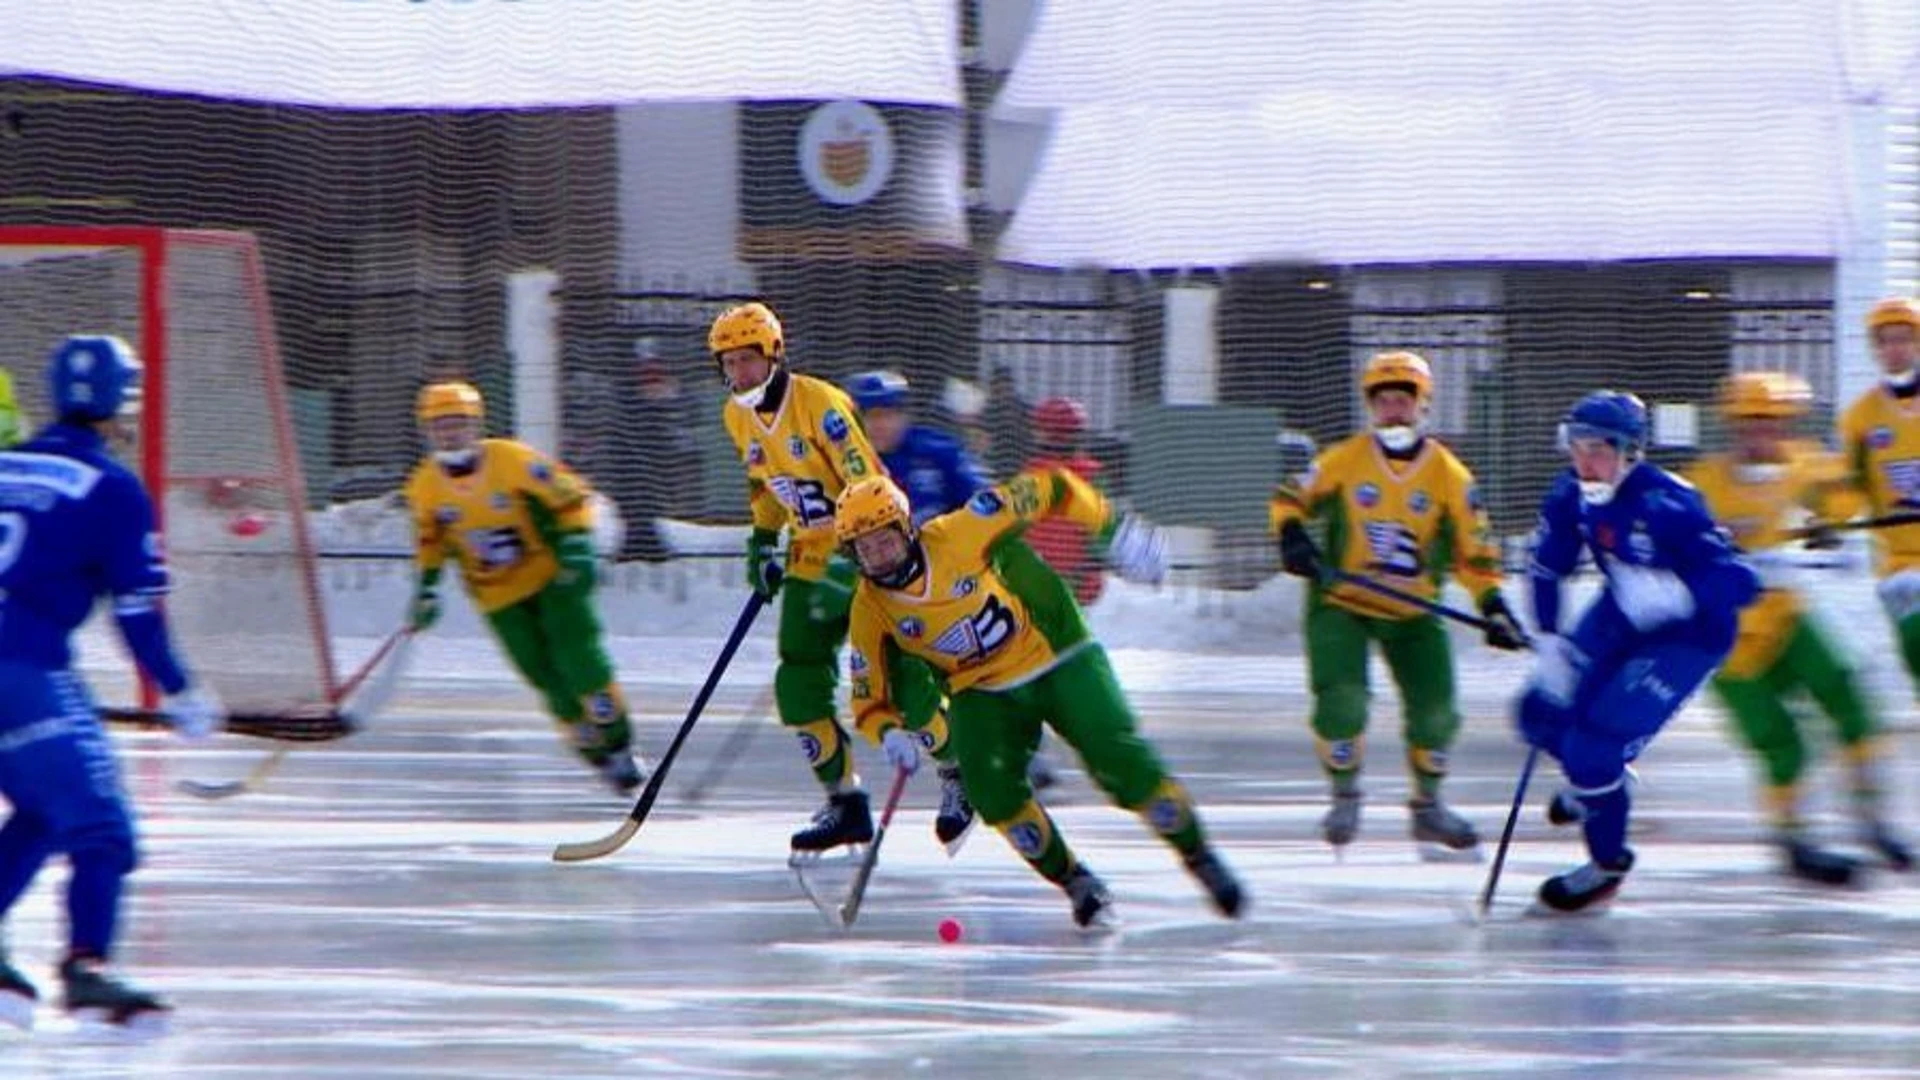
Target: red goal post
[(215, 442)]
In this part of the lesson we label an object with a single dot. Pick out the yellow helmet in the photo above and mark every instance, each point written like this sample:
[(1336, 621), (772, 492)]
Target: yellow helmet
[(1765, 394), (450, 399), (1397, 369), (1894, 311), (869, 505), (748, 324)]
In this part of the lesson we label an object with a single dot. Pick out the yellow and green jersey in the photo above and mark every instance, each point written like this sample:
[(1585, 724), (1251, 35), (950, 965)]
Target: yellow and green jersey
[(499, 522), (1880, 442), (798, 459)]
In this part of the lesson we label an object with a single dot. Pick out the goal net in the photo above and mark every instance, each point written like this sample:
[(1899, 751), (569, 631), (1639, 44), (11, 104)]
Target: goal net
[(215, 441)]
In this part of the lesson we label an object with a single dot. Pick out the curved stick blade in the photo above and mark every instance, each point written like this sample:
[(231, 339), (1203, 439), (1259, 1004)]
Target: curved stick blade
[(226, 789), (588, 850)]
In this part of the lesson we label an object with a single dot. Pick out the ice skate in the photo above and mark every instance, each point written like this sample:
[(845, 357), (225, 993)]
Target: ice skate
[(1565, 808), (1092, 904), (1342, 823), (90, 993), (1586, 887), (955, 820), (1810, 862), (1886, 843), (18, 997), (1219, 881), (845, 819), (1441, 833), (623, 771)]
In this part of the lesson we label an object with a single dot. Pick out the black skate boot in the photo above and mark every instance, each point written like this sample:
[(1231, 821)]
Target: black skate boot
[(1434, 823), (1880, 836), (846, 819), (1584, 886), (90, 992), (1219, 881), (1566, 808), (1342, 823), (1811, 862), (17, 996), (623, 770), (1092, 905), (955, 820)]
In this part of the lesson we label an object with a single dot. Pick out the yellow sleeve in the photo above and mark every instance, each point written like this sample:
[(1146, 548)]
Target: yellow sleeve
[(1476, 555), (553, 485), (849, 452), (1294, 498), (429, 549), (1826, 488), (874, 712), (768, 511), (1037, 493)]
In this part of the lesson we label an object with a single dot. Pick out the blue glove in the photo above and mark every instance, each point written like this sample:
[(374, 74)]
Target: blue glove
[(578, 564), (763, 563)]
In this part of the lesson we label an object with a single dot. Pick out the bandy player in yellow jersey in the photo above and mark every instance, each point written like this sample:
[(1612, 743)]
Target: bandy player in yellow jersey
[(1880, 439), (517, 524), (1009, 640), (801, 442), (1399, 508), (1757, 490)]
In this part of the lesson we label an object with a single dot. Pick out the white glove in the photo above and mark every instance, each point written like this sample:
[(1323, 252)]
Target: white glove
[(194, 712), (1649, 598), (1557, 667), (903, 750), (1138, 552)]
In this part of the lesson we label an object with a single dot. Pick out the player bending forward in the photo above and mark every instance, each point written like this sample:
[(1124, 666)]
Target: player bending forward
[(1016, 653), (519, 525), (802, 445), (1665, 618), (1400, 509), (75, 524)]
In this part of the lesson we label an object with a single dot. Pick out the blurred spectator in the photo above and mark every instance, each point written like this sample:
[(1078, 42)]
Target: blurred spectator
[(932, 467), (961, 405), (664, 477), (1005, 419), (1060, 433)]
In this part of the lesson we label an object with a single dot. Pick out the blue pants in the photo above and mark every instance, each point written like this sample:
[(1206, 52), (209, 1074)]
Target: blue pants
[(58, 772), (1631, 686)]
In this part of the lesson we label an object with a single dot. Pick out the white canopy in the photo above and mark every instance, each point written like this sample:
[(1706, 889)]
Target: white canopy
[(493, 53)]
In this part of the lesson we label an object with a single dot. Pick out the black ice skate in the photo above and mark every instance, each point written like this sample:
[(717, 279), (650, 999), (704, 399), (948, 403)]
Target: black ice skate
[(17, 996), (1092, 904), (92, 994), (1219, 881), (955, 820), (1584, 887), (1566, 808), (1810, 862), (623, 771), (1432, 823), (1880, 836), (846, 819), (1342, 823)]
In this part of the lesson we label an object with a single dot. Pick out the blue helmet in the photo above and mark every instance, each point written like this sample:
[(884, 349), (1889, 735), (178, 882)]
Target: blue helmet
[(93, 376), (878, 390), (1613, 415)]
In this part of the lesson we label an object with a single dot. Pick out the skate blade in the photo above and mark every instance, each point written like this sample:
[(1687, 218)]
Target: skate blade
[(954, 845), (142, 1024), (845, 853), (1539, 910), (1432, 852), (16, 1010)]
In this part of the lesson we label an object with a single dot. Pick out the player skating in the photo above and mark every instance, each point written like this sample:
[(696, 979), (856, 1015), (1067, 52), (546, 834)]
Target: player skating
[(1665, 618), (802, 444), (1880, 439), (1016, 654), (1401, 509), (75, 524), (1756, 490), (518, 524)]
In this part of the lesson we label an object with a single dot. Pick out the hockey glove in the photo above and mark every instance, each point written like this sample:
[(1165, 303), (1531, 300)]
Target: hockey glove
[(1137, 551), (425, 610), (1557, 666), (903, 750), (1503, 630), (1298, 555), (194, 712), (578, 564), (763, 563), (1649, 598)]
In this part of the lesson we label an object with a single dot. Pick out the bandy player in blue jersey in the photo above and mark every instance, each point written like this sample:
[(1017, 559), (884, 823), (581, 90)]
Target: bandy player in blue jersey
[(1666, 617), (76, 525)]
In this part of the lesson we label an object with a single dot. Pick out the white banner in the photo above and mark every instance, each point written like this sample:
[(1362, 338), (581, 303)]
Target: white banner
[(493, 53)]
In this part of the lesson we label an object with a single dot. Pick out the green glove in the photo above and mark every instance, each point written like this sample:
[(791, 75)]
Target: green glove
[(425, 610), (578, 564), (763, 563)]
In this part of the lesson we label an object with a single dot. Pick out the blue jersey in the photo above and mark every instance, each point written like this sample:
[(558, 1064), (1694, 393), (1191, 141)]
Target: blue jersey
[(76, 525), (1654, 519), (935, 470)]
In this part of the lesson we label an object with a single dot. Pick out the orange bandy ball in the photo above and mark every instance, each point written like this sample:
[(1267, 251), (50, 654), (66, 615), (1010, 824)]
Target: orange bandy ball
[(949, 930), (248, 525)]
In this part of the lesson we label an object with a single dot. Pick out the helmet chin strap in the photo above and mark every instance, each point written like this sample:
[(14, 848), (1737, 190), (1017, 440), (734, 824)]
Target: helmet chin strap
[(1601, 492), (1904, 380), (457, 459), (1398, 438), (751, 399)]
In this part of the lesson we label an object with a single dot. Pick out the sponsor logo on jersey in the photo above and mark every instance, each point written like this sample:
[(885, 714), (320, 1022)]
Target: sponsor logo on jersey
[(797, 447), (1903, 476), (835, 426), (1880, 438), (965, 587), (755, 455), (1367, 495), (1420, 503), (986, 504), (911, 627), (1394, 547), (541, 472), (500, 501), (447, 515)]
